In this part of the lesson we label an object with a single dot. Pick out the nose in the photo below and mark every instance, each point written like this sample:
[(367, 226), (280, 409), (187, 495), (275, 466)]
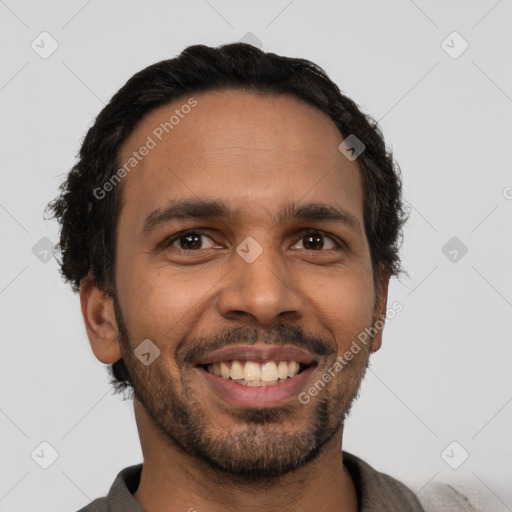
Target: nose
[(261, 292)]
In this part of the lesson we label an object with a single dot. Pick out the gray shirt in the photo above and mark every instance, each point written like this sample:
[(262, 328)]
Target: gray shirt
[(376, 492)]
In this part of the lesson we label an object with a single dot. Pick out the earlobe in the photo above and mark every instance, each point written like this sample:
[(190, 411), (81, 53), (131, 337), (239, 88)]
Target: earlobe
[(100, 322), (381, 301)]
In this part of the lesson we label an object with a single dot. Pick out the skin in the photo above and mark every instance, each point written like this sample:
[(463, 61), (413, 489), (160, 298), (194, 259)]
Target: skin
[(256, 153)]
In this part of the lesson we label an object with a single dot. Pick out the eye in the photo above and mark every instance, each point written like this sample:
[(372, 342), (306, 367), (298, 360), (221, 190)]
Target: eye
[(189, 241), (195, 240), (315, 241)]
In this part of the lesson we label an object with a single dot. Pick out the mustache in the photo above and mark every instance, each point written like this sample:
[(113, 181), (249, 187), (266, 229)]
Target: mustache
[(193, 348)]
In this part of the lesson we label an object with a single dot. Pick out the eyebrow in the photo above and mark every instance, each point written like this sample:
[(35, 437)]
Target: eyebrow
[(213, 209)]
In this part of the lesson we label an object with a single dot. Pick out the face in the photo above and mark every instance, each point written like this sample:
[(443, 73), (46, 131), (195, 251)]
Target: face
[(241, 251)]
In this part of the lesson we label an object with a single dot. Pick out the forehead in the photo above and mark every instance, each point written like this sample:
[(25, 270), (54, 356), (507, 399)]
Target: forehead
[(247, 149)]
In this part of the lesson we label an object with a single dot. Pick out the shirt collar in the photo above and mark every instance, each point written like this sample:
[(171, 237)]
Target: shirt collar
[(374, 490)]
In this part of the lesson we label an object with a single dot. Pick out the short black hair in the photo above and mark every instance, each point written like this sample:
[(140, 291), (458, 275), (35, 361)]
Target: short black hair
[(88, 223)]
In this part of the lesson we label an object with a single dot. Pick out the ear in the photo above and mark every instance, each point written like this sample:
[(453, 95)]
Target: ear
[(381, 302), (100, 322)]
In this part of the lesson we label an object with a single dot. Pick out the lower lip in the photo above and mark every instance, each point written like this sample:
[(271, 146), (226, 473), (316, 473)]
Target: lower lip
[(257, 396)]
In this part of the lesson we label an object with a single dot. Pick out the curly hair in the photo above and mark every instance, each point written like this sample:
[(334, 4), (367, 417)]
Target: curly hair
[(88, 222)]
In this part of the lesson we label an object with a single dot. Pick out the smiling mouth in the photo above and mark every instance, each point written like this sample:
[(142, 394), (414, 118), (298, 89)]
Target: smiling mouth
[(255, 374)]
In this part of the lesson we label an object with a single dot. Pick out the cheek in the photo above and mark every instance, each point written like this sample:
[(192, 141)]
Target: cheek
[(345, 307), (160, 303)]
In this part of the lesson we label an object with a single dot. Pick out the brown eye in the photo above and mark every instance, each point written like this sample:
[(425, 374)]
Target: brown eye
[(191, 241), (315, 241)]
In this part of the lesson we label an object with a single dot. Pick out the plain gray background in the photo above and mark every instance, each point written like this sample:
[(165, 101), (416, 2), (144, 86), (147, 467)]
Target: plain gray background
[(443, 373)]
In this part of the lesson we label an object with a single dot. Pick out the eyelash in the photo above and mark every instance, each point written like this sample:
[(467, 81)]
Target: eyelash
[(307, 232)]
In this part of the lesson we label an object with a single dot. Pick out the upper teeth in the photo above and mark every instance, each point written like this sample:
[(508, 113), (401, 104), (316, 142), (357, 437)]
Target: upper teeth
[(248, 371)]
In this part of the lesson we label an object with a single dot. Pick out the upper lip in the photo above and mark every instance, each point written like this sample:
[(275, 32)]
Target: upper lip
[(258, 353)]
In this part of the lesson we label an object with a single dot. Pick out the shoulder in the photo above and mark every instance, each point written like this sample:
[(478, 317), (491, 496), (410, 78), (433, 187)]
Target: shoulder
[(120, 496), (441, 497), (379, 491), (98, 505)]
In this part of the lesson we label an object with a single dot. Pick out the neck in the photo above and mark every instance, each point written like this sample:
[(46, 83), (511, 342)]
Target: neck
[(173, 480)]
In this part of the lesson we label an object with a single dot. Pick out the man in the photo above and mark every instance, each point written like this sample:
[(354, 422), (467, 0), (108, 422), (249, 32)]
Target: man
[(231, 225)]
